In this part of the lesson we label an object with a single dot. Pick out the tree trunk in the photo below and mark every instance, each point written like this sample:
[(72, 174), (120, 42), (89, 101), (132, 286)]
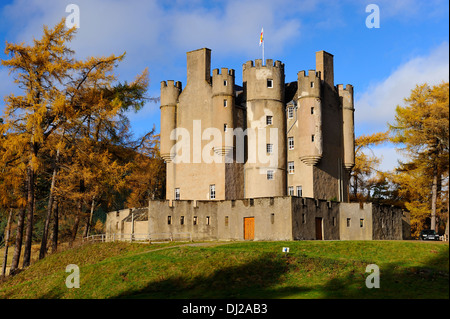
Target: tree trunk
[(43, 249), (434, 199), (30, 213), (8, 232), (76, 223), (18, 243), (89, 221), (55, 227)]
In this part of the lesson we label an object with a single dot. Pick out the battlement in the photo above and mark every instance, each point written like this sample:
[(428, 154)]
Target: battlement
[(223, 71), (171, 83), (308, 74), (348, 88), (258, 64)]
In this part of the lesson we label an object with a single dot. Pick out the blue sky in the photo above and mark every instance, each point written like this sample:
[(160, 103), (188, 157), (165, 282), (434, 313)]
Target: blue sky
[(383, 64)]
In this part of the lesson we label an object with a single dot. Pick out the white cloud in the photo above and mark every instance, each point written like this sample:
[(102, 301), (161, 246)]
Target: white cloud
[(376, 106)]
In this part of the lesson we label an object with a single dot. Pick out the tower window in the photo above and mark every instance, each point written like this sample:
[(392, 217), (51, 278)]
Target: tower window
[(299, 191), (169, 220), (195, 220), (177, 194), (291, 171), (269, 83), (269, 175), (312, 138), (272, 218), (291, 190), (212, 191), (269, 120), (290, 112), (348, 222), (269, 148), (226, 220), (361, 222), (312, 84), (291, 143), (225, 83), (225, 127), (225, 103), (312, 110), (182, 220)]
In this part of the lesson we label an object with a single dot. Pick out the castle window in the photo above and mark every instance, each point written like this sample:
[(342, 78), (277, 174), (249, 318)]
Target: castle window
[(312, 84), (290, 112), (272, 218), (226, 221), (312, 138), (225, 127), (269, 83), (291, 190), (269, 148), (312, 110), (169, 220), (270, 175), (291, 143), (291, 170), (299, 191), (177, 194), (334, 221), (269, 120), (361, 222), (348, 222), (212, 191), (207, 220), (303, 218), (195, 220), (182, 220), (225, 103), (225, 83)]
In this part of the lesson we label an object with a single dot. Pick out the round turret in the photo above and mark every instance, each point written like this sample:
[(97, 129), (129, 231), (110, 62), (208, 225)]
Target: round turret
[(348, 125), (170, 92), (223, 106), (310, 111), (266, 123)]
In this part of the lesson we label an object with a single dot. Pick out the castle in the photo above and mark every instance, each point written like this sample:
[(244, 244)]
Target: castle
[(276, 138), (267, 160)]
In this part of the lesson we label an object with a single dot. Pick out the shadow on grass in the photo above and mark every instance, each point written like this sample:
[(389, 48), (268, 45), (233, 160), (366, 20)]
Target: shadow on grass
[(250, 280), (396, 282), (265, 277)]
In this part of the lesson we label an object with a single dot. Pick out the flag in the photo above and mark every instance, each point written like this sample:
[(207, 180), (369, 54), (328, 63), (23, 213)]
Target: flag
[(261, 38)]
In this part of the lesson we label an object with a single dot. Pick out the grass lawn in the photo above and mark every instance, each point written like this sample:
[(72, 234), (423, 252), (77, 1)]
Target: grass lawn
[(312, 269)]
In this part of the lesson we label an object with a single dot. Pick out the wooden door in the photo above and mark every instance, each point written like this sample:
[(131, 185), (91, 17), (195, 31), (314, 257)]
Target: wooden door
[(318, 228), (249, 228)]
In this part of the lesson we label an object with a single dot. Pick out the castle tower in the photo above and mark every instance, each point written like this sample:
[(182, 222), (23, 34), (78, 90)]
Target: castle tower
[(169, 101), (265, 167), (346, 96), (223, 108), (310, 112)]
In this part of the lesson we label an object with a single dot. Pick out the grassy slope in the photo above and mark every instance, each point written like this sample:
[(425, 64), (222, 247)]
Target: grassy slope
[(312, 269)]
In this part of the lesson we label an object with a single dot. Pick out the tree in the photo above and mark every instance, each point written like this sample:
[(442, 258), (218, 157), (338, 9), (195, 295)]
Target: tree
[(421, 131), (365, 174), (61, 96)]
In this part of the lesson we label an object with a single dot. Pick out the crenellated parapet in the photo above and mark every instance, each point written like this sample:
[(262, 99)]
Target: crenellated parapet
[(309, 84)]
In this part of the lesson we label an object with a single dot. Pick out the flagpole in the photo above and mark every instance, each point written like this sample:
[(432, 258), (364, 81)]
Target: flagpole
[(263, 61)]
